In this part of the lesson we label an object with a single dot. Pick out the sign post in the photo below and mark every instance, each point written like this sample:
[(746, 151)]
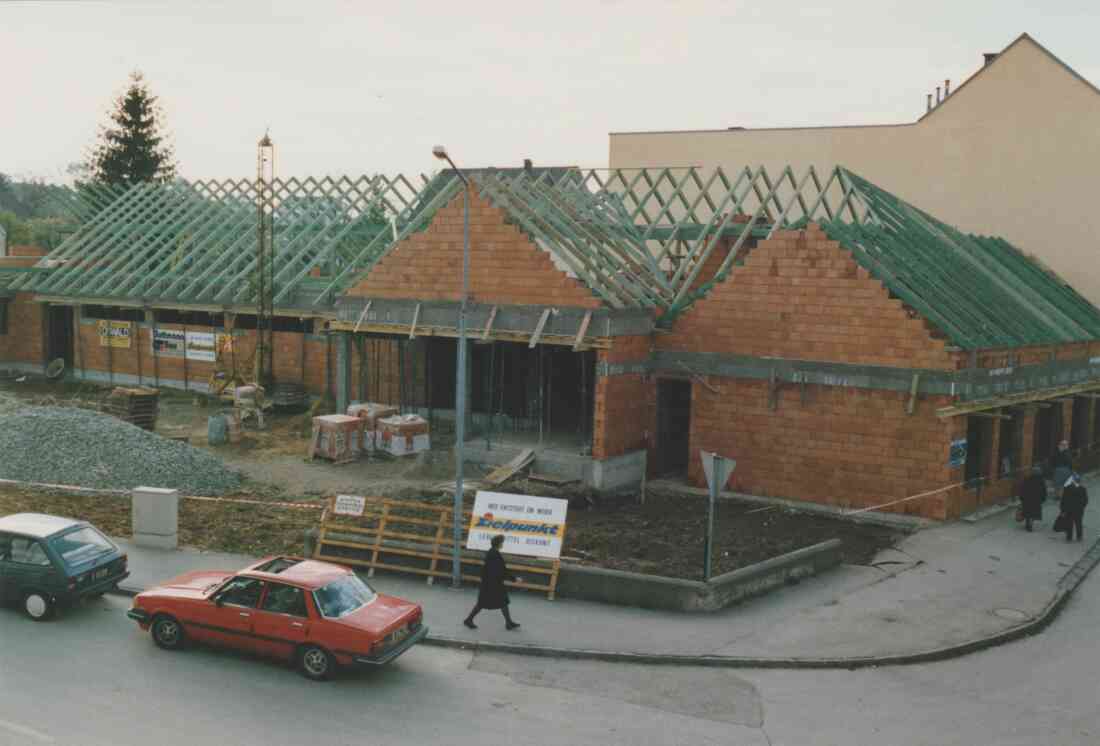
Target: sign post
[(717, 469)]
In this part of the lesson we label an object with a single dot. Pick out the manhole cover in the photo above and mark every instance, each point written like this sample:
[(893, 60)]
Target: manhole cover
[(1014, 615)]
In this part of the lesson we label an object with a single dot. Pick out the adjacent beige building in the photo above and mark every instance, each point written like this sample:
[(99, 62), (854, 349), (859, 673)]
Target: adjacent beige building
[(1014, 152)]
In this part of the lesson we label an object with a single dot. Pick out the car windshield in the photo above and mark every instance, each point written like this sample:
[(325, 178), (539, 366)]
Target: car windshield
[(343, 596), (82, 545)]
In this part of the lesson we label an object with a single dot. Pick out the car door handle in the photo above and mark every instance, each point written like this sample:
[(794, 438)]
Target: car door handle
[(296, 624), (245, 614)]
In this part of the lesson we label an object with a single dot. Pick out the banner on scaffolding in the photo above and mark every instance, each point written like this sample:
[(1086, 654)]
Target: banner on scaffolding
[(532, 526), (115, 333)]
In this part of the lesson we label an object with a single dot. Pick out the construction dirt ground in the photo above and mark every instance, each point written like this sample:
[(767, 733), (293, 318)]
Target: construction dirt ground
[(662, 535)]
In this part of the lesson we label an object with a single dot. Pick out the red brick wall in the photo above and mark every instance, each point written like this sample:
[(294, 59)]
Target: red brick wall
[(800, 295), (505, 266), (27, 250), (138, 359), (851, 448), (625, 411), (25, 340)]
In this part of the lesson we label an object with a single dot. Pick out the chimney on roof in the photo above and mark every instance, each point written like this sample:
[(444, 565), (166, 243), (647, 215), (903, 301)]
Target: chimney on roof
[(938, 99), (989, 57), (929, 103), (946, 88)]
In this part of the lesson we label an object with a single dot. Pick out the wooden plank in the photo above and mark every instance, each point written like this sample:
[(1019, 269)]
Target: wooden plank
[(538, 329), (504, 335), (489, 324), (551, 479), (416, 318), (362, 316), (582, 331), (504, 472), (378, 539), (436, 544)]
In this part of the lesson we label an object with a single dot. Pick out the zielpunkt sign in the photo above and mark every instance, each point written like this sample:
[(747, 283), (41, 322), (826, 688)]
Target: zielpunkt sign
[(533, 526)]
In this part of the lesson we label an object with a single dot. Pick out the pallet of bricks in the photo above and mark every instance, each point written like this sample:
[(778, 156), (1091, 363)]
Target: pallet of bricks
[(138, 406), (413, 537)]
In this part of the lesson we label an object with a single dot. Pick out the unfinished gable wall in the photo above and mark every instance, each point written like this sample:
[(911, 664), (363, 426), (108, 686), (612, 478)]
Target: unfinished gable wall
[(800, 295), (506, 266), (24, 343)]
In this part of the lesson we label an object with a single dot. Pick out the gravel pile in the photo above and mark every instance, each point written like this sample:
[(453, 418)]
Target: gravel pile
[(88, 449)]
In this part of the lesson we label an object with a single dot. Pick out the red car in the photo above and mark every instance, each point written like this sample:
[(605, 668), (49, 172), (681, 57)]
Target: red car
[(316, 614)]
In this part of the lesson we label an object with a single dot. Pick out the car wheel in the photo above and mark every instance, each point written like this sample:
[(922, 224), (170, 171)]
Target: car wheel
[(167, 632), (315, 663), (38, 606)]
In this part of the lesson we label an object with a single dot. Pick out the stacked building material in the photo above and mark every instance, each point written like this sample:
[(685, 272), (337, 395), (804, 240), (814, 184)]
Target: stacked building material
[(336, 437), (138, 406), (290, 396), (403, 435), (370, 413)]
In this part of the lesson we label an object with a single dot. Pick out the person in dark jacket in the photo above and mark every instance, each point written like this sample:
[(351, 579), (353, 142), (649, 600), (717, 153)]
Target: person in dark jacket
[(1062, 465), (1033, 491), (1074, 499), (492, 594)]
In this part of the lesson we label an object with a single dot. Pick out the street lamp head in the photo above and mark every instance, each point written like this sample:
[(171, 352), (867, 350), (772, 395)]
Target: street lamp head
[(440, 152)]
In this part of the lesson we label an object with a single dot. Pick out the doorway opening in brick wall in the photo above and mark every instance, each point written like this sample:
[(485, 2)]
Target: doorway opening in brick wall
[(59, 335), (979, 437), (1048, 431), (1008, 443), (1079, 425), (673, 426)]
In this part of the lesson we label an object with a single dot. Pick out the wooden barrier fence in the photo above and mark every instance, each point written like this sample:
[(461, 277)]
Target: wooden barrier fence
[(419, 532)]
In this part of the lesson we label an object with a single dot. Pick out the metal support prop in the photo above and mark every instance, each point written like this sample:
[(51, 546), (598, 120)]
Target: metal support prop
[(460, 393), (712, 499)]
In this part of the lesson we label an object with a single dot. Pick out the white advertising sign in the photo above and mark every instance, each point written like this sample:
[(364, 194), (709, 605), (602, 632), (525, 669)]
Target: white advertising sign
[(349, 505), (534, 526), (200, 346)]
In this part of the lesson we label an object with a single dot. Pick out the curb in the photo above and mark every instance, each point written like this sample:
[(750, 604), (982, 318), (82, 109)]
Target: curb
[(1068, 583)]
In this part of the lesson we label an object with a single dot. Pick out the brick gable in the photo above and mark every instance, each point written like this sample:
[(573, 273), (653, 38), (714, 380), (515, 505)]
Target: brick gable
[(506, 267), (800, 295)]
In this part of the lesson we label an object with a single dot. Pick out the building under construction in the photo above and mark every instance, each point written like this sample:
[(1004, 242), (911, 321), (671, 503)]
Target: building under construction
[(843, 346)]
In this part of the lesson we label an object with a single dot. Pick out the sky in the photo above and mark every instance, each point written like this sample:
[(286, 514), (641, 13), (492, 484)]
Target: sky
[(354, 88)]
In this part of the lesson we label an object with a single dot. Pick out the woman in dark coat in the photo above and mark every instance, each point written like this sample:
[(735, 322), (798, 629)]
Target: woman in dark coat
[(492, 593), (1074, 500), (1032, 493)]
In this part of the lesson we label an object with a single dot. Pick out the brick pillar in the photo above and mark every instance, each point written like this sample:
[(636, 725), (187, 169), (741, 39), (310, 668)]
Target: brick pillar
[(1067, 419)]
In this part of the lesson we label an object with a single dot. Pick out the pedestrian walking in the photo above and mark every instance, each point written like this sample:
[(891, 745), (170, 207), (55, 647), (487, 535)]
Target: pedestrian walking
[(1033, 491), (1074, 499), (1062, 464), (492, 594)]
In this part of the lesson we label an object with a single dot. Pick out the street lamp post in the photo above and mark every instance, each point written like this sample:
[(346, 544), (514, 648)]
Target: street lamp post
[(460, 375)]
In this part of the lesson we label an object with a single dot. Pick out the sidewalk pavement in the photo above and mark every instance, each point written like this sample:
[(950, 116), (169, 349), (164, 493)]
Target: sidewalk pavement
[(941, 587)]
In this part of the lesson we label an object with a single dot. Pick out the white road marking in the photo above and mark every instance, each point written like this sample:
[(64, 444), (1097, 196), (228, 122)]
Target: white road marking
[(24, 731)]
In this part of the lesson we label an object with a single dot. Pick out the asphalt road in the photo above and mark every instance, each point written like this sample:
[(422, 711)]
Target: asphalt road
[(92, 678)]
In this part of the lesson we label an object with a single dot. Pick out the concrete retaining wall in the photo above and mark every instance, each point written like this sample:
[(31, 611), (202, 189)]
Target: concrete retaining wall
[(658, 592)]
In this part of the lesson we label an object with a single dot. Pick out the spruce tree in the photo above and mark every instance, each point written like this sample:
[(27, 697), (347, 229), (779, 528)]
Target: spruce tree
[(132, 147)]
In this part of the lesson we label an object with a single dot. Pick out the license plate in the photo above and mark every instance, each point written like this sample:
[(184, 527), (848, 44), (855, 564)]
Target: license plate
[(101, 573)]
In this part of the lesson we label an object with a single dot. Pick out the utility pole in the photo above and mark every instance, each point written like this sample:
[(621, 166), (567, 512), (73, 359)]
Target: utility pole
[(265, 260)]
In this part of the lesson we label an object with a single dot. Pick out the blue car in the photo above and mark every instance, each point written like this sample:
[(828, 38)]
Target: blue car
[(47, 562)]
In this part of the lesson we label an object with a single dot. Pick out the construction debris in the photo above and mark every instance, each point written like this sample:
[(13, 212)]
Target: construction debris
[(88, 449)]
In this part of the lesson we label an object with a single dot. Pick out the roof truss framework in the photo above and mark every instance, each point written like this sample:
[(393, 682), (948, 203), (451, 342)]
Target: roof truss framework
[(637, 238), (195, 242)]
